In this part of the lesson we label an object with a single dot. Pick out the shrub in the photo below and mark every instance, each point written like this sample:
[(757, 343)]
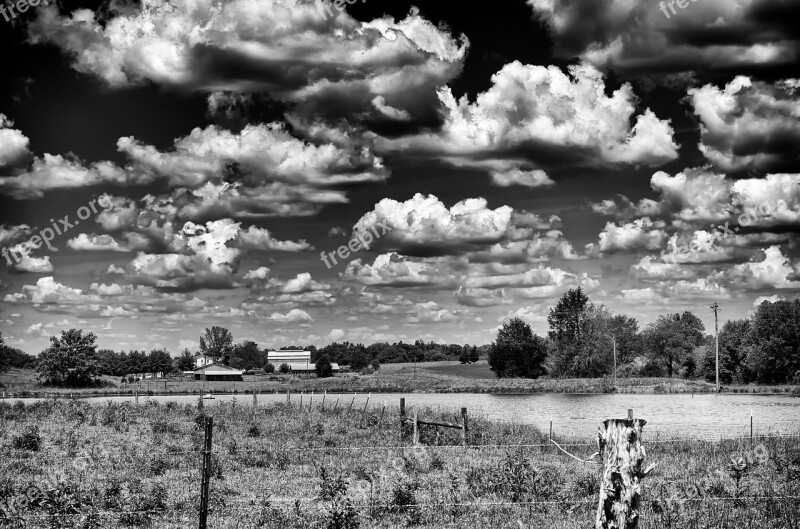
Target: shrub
[(269, 368), (28, 440), (283, 369)]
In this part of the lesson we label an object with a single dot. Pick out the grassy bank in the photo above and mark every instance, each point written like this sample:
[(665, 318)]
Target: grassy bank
[(120, 465), (430, 377)]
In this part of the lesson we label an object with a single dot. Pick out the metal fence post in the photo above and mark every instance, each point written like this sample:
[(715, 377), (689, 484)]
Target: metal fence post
[(206, 480)]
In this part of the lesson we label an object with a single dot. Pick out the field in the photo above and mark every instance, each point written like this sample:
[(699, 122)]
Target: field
[(122, 465), (431, 377)]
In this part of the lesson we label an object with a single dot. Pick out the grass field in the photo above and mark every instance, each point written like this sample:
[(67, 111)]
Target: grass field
[(120, 465), (432, 377)]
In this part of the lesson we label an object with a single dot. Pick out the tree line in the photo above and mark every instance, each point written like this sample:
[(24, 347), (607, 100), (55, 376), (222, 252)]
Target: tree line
[(582, 336)]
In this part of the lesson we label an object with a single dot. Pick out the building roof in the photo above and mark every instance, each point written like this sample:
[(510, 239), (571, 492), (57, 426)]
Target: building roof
[(218, 369), (298, 366)]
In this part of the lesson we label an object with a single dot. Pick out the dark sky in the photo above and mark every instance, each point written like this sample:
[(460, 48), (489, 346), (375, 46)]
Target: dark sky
[(515, 149)]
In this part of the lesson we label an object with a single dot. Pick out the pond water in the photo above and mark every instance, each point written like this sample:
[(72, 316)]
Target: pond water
[(710, 415)]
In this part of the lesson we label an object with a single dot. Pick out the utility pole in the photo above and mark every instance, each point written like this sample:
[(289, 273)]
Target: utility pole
[(715, 307), (614, 340)]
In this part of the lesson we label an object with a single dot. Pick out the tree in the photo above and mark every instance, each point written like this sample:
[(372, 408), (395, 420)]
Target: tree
[(375, 365), (70, 360), (247, 355), (734, 340), (185, 362), (672, 338), (323, 367), (565, 318), (159, 361), (217, 342), (517, 352), (358, 360), (269, 368), (283, 369), (774, 352), (5, 353), (589, 351)]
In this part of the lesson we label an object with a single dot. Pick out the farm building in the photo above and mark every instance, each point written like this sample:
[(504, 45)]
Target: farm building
[(292, 356), (308, 367), (201, 360), (218, 372)]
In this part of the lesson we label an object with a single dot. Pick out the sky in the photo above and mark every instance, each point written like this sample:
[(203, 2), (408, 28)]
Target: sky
[(207, 162)]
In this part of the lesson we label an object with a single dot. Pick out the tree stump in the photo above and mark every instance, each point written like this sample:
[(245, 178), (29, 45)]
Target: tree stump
[(621, 450)]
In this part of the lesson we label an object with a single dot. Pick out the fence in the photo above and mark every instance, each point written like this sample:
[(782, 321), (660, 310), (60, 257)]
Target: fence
[(468, 444)]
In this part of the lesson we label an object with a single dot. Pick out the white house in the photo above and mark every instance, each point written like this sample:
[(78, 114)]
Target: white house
[(201, 360), (217, 372)]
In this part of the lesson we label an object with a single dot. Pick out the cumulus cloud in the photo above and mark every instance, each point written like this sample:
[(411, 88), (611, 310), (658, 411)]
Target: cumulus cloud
[(54, 171), (392, 269), (641, 234), (749, 125), (383, 71), (538, 117), (13, 145), (708, 37), (293, 316), (774, 271), (425, 226), (517, 177)]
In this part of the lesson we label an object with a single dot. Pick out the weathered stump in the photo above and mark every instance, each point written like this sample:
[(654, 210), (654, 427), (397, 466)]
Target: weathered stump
[(622, 453)]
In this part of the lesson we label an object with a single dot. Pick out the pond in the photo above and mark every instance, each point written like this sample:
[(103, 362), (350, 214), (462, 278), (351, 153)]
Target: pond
[(709, 415)]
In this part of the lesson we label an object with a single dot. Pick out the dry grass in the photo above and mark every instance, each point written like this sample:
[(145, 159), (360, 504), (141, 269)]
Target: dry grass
[(284, 467)]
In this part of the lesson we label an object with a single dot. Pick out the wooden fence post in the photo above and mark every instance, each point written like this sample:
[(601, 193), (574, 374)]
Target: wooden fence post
[(464, 427), (351, 406), (364, 413), (620, 447), (382, 412), (416, 430), (288, 397), (255, 399), (136, 396), (751, 427), (206, 480), (322, 406), (551, 428), (301, 400), (335, 406), (402, 418)]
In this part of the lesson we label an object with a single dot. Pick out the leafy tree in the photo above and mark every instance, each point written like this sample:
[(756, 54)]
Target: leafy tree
[(589, 353), (358, 360), (159, 361), (565, 318), (465, 356), (247, 355), (474, 355), (774, 353), (625, 330), (323, 367), (269, 368), (5, 353), (375, 364), (672, 339), (517, 352), (283, 369), (734, 340), (217, 342), (70, 360), (185, 362)]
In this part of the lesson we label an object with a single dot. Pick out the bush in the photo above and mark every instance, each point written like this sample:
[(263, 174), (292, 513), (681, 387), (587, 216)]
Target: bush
[(28, 440), (283, 369), (323, 367), (269, 368), (375, 365)]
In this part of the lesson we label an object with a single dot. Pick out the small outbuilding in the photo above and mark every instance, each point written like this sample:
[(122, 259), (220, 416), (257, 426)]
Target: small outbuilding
[(218, 372)]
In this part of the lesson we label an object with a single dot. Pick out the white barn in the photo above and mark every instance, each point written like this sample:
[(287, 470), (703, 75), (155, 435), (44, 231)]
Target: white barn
[(291, 356)]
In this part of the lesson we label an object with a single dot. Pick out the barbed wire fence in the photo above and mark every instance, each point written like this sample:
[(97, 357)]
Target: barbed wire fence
[(198, 465)]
